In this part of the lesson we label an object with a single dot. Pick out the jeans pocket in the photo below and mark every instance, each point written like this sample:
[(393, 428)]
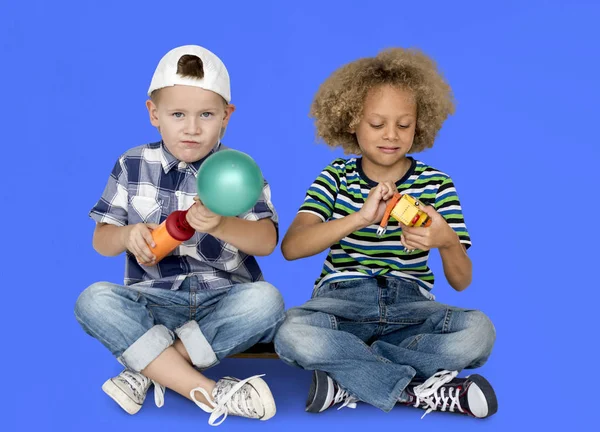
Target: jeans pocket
[(323, 288), (328, 287), (422, 292)]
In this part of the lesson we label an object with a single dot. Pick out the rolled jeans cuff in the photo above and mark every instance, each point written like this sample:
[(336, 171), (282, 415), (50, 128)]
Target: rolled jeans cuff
[(149, 346), (200, 351)]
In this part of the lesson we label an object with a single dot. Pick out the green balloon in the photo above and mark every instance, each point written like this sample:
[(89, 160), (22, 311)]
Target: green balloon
[(229, 182)]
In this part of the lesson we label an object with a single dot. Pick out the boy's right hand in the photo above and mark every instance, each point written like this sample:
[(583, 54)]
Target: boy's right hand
[(374, 207), (137, 238)]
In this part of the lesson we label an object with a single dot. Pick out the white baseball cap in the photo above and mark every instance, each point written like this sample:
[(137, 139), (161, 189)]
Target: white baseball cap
[(216, 77)]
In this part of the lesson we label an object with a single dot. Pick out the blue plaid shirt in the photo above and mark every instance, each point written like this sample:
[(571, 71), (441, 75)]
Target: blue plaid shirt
[(147, 184)]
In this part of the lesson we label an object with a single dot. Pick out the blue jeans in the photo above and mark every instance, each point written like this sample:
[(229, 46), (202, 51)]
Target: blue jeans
[(373, 336), (138, 324)]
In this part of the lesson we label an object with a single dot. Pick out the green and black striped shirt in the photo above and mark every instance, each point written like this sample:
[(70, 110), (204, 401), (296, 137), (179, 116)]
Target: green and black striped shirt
[(342, 188)]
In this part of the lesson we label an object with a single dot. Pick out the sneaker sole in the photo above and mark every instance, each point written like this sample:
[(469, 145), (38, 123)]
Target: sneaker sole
[(483, 396), (121, 398), (266, 397), (319, 400)]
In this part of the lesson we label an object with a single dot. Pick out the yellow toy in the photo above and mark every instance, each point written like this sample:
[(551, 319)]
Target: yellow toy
[(405, 209)]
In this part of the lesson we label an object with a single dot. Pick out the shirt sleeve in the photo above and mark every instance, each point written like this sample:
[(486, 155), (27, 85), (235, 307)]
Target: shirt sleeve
[(263, 208), (448, 205), (112, 206), (320, 197)]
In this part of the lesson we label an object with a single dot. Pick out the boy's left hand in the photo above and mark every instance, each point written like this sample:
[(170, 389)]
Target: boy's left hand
[(437, 235), (202, 219)]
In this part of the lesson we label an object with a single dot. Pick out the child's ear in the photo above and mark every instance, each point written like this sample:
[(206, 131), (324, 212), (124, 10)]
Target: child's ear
[(229, 109), (152, 112)]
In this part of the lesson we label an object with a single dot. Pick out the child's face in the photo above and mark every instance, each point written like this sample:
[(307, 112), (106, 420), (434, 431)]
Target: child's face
[(386, 130), (189, 119)]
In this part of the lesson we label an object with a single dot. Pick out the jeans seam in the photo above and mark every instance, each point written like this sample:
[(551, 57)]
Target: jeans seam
[(190, 299), (333, 321), (416, 339), (447, 319), (406, 321), (194, 306), (359, 321)]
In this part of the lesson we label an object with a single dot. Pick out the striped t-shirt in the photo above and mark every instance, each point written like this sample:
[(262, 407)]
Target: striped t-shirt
[(342, 188)]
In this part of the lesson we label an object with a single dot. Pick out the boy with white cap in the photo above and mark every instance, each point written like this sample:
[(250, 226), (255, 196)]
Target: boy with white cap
[(208, 299)]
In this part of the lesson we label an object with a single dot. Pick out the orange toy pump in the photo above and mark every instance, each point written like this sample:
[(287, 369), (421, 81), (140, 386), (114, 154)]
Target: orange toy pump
[(170, 234), (404, 208)]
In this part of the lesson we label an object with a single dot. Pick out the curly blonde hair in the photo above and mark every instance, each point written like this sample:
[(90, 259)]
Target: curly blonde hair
[(338, 105)]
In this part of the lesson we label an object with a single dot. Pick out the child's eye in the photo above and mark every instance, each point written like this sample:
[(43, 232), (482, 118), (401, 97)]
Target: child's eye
[(404, 126), (206, 114), (376, 126), (177, 114)]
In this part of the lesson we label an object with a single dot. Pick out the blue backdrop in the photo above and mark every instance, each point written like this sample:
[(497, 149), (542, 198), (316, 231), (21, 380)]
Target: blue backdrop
[(522, 149)]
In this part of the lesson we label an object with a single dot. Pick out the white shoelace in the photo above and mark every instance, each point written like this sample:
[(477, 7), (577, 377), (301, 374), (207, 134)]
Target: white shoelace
[(343, 396), (138, 383), (159, 394), (430, 393), (226, 404)]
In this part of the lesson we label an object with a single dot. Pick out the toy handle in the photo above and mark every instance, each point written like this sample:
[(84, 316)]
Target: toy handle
[(388, 210), (171, 233)]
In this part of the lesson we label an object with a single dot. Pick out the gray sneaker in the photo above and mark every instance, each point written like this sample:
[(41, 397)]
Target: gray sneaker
[(129, 389), (250, 398)]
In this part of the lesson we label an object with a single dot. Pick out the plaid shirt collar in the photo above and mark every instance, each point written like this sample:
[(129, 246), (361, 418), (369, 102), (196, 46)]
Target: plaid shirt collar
[(169, 161)]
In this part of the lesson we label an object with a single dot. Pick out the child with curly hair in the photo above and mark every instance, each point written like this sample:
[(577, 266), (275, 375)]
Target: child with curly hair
[(372, 331)]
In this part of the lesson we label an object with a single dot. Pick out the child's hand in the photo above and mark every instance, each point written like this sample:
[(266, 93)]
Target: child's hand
[(137, 240), (374, 207), (437, 235), (202, 219)]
